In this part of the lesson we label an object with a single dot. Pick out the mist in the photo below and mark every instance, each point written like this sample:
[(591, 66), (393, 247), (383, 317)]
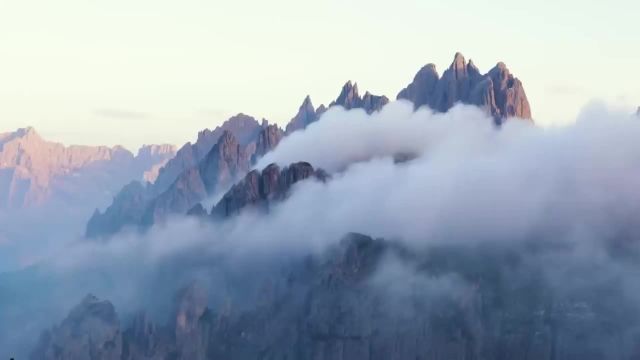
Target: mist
[(468, 186)]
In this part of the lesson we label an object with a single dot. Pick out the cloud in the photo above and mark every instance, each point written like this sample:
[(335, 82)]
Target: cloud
[(571, 190)]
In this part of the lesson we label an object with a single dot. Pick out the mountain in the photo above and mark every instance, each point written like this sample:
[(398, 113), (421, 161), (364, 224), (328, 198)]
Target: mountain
[(244, 127), (305, 116), (159, 155), (227, 161), (268, 139), (91, 331), (365, 299), (259, 189), (498, 91), (48, 190), (349, 98), (35, 172), (181, 182)]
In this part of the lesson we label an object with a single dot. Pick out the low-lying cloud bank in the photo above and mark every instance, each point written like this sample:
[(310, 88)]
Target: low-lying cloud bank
[(469, 184)]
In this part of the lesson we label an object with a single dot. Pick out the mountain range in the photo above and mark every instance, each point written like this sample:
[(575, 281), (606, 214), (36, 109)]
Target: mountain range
[(34, 171), (48, 190), (210, 166), (361, 297)]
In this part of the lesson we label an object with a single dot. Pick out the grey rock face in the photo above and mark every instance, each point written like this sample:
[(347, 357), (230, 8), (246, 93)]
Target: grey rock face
[(91, 332), (259, 189), (498, 92), (226, 162), (127, 209), (268, 139), (350, 98), (422, 87), (185, 180), (244, 127), (186, 191), (305, 116)]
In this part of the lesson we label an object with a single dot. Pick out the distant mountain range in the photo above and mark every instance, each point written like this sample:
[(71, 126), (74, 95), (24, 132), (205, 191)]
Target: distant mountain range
[(34, 172), (224, 155)]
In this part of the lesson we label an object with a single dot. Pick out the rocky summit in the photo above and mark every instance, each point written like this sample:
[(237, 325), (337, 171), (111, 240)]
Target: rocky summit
[(498, 92), (350, 98)]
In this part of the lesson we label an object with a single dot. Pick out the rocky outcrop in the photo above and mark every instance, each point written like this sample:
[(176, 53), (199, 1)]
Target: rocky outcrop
[(306, 115), (226, 162), (244, 127), (268, 139), (91, 332), (349, 98), (186, 191), (498, 92), (128, 208), (259, 189)]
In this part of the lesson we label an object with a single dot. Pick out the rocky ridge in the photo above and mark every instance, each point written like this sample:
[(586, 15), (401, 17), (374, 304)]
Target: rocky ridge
[(259, 189), (35, 172), (498, 91), (180, 184)]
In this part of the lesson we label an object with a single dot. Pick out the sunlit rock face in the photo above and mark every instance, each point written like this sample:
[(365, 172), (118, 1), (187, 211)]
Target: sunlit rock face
[(35, 172)]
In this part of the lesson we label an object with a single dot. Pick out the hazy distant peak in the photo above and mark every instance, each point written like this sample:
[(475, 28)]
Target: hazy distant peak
[(35, 171), (155, 150)]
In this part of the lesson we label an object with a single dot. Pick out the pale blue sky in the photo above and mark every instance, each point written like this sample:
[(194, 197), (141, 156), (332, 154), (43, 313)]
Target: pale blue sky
[(138, 71)]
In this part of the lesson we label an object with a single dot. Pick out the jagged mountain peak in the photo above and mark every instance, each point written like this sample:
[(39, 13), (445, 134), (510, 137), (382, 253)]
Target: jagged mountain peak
[(459, 62), (498, 91), (350, 98), (306, 115)]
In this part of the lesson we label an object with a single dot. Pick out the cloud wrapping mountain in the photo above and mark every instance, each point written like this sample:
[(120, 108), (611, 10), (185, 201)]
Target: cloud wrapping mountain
[(559, 205)]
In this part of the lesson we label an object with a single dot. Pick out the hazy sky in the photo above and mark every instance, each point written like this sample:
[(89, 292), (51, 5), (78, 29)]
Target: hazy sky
[(139, 71)]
